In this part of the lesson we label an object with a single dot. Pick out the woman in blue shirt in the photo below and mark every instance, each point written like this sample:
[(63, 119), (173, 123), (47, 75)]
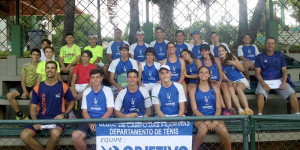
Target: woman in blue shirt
[(232, 69), (206, 101)]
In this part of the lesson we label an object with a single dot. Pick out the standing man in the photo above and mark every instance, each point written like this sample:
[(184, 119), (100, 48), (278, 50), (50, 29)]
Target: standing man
[(180, 44), (159, 44), (28, 80), (169, 98), (271, 72), (137, 50), (97, 102), (113, 51), (197, 44), (49, 98), (118, 69), (215, 39)]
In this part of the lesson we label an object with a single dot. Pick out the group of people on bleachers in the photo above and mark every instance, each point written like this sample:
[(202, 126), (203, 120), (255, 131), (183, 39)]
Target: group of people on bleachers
[(175, 77)]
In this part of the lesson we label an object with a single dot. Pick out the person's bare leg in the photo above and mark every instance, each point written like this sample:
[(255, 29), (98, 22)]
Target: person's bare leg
[(78, 140), (240, 87), (201, 133), (185, 93), (246, 71), (221, 129), (27, 136), (234, 97), (105, 72), (11, 97), (70, 75), (54, 138), (260, 103), (226, 95), (294, 103)]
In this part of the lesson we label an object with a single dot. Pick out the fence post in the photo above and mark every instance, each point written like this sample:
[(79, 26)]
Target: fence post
[(252, 133), (245, 133)]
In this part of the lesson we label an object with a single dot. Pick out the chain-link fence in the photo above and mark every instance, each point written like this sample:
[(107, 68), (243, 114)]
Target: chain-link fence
[(275, 132), (52, 19), (13, 136)]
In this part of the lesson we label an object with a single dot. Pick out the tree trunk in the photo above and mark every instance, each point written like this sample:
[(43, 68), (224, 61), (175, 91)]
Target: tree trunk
[(69, 18), (134, 20), (99, 23), (208, 30), (111, 7), (166, 11), (243, 20), (256, 19)]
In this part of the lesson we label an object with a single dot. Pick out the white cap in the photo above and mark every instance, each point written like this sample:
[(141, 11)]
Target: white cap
[(165, 67), (93, 35), (140, 32)]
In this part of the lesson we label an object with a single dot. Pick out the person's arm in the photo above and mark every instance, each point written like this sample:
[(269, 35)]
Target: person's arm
[(181, 109), (109, 57), (218, 102), (113, 82), (119, 114), (284, 78), (158, 111), (73, 85), (97, 60), (163, 62), (61, 62), (140, 75), (236, 63), (195, 110), (148, 112), (108, 113), (23, 84), (182, 71), (39, 78), (33, 114), (74, 62), (261, 80), (221, 74)]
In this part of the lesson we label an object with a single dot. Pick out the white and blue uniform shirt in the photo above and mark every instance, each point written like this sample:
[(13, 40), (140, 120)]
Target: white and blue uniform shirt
[(214, 70), (97, 103), (192, 70), (196, 50), (179, 48), (117, 66), (169, 98), (113, 49), (150, 73), (206, 102), (160, 49), (135, 102), (175, 69), (248, 52), (232, 72), (270, 65), (138, 51), (214, 49)]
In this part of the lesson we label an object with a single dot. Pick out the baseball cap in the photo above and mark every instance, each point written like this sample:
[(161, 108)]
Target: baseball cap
[(93, 35), (195, 32), (165, 67), (140, 32), (204, 46), (126, 46)]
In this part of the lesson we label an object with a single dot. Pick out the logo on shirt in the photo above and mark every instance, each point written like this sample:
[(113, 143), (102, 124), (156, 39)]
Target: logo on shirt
[(95, 100), (174, 68), (265, 61), (132, 101), (140, 51), (249, 50), (206, 99), (57, 95), (160, 49), (191, 70), (169, 96), (125, 68), (150, 73)]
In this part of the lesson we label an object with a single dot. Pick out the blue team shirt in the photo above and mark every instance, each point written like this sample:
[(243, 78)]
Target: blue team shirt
[(249, 52), (139, 52), (115, 50), (196, 51), (192, 70), (160, 50), (51, 99), (134, 103), (179, 48), (214, 70), (175, 69), (206, 102), (232, 73), (150, 73), (169, 98), (270, 65)]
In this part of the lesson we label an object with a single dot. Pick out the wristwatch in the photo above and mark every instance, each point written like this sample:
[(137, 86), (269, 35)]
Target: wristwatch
[(66, 115)]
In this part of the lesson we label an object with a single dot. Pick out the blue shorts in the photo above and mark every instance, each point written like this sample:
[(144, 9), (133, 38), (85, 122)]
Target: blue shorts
[(85, 128)]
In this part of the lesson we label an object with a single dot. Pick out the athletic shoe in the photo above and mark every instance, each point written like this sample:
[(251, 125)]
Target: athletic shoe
[(24, 117), (242, 112), (232, 111), (248, 111), (225, 111)]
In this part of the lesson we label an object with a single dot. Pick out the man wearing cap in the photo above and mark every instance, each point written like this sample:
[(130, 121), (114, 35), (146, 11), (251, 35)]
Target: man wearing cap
[(119, 67), (159, 44), (137, 50), (215, 39), (197, 44), (96, 50), (180, 44), (168, 97)]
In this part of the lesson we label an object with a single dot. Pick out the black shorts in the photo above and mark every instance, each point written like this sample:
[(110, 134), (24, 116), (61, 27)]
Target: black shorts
[(31, 128), (85, 128), (20, 89)]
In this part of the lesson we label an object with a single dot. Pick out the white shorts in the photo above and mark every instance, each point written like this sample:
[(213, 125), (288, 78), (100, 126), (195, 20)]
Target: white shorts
[(80, 87), (243, 80), (149, 86)]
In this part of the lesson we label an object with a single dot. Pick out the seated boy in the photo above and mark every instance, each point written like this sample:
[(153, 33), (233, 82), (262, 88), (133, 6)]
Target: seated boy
[(69, 56), (96, 50), (29, 78)]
